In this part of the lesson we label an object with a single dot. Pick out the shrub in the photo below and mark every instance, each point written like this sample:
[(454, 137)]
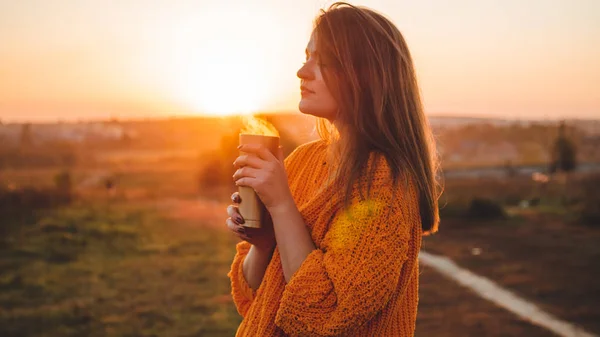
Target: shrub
[(453, 209), (590, 213), (64, 185), (215, 173), (19, 205), (482, 208), (564, 153)]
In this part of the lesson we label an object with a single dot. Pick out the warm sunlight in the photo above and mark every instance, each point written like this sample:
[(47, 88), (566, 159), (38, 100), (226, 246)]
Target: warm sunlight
[(222, 63), (223, 78), (82, 60)]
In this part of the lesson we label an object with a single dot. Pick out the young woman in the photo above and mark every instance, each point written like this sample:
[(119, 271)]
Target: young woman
[(348, 211)]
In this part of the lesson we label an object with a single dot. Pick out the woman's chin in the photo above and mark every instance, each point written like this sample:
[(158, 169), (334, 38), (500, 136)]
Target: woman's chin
[(305, 107), (309, 108)]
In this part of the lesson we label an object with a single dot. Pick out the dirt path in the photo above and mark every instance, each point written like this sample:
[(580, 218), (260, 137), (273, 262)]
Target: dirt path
[(449, 310), (551, 262), (503, 298)]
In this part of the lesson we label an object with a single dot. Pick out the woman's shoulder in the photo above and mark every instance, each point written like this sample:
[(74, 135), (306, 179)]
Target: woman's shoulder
[(314, 144), (378, 167), (306, 149), (380, 174)]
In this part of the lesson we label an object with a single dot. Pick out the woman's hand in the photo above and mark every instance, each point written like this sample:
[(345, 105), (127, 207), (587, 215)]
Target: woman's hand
[(262, 238), (259, 169)]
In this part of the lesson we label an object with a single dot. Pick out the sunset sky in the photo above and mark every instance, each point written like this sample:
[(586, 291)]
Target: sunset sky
[(77, 60)]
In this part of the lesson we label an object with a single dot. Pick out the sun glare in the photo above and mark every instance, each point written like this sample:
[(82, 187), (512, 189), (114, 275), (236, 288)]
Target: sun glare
[(222, 64), (225, 80)]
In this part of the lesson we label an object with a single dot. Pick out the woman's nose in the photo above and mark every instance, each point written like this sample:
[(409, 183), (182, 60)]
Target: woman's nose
[(305, 73)]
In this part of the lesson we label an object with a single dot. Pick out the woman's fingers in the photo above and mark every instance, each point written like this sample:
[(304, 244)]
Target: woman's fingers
[(258, 150), (235, 198), (238, 230), (231, 209), (248, 160), (246, 172), (234, 227), (235, 215)]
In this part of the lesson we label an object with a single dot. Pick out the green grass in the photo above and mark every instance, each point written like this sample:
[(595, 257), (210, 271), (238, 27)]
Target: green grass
[(91, 270)]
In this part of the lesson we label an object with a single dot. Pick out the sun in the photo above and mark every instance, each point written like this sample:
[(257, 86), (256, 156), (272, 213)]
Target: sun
[(223, 67), (226, 79)]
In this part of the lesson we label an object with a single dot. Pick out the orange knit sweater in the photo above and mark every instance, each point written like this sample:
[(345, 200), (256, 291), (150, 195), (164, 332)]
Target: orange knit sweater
[(362, 280)]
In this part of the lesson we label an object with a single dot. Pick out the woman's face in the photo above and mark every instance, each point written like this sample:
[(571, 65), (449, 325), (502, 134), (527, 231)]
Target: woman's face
[(316, 99)]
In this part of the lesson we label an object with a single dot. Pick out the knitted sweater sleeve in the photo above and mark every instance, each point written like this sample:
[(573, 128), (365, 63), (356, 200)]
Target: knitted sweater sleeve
[(354, 273), (242, 293)]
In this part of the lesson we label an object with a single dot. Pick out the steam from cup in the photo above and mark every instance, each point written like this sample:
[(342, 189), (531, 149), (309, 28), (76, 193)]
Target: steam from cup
[(258, 126)]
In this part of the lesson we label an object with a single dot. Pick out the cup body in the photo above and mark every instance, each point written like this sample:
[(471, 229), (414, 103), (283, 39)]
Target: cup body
[(251, 207)]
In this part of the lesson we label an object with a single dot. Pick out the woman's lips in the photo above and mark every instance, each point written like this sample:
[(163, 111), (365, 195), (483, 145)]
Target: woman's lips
[(305, 91)]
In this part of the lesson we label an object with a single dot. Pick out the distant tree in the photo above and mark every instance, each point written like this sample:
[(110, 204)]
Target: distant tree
[(563, 158), (26, 139), (126, 139), (509, 169), (484, 208), (216, 167), (64, 185)]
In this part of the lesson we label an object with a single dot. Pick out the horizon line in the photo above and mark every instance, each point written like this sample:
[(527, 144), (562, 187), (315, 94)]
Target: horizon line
[(133, 118)]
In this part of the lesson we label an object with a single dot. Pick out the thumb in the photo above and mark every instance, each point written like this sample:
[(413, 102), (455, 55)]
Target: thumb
[(280, 156)]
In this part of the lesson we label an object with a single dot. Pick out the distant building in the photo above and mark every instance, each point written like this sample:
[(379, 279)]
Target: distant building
[(76, 132)]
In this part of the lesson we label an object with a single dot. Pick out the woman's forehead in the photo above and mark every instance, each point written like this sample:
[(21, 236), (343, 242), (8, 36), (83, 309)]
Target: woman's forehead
[(311, 47)]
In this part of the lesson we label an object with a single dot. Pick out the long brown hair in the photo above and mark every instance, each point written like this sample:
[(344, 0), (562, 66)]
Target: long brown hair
[(369, 70)]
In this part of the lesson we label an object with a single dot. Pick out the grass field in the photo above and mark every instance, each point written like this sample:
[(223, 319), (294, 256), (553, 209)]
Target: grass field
[(116, 270), (152, 258)]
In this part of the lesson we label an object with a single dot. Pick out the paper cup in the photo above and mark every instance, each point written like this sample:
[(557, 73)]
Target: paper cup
[(251, 207)]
